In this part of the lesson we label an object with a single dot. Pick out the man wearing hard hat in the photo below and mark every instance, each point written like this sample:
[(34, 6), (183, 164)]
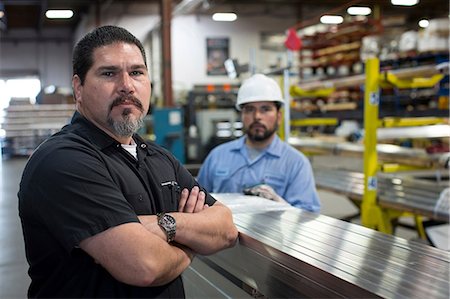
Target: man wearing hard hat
[(259, 162)]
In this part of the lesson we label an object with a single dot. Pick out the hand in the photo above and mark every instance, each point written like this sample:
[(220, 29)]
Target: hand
[(266, 191), (192, 202)]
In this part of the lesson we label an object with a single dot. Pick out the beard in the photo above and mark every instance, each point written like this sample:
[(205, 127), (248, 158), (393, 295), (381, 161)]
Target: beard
[(127, 125), (258, 135)]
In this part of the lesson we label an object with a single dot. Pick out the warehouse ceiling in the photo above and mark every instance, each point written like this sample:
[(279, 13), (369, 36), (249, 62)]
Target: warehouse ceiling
[(29, 14)]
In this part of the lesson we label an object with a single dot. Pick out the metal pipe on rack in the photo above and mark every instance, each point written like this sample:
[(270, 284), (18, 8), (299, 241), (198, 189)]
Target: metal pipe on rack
[(421, 71)]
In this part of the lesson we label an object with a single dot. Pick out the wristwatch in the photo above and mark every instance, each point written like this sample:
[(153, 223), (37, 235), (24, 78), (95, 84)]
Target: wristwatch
[(168, 224)]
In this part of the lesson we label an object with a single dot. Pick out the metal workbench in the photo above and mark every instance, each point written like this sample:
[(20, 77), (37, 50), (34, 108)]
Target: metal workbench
[(284, 252)]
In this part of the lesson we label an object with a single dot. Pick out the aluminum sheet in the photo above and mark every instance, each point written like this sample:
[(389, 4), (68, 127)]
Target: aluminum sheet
[(295, 253), (432, 131)]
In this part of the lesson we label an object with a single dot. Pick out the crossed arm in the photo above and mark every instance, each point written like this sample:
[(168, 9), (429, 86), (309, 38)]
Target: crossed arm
[(138, 253)]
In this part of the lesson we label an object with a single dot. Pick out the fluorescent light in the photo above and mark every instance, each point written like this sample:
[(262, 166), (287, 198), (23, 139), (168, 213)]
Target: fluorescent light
[(224, 17), (424, 23), (59, 13), (359, 10), (405, 2), (331, 19)]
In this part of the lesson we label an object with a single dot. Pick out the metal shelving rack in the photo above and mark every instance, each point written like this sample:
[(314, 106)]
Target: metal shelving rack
[(374, 215)]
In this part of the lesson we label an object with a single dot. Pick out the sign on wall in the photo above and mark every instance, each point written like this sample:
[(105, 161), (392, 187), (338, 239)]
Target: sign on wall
[(217, 51)]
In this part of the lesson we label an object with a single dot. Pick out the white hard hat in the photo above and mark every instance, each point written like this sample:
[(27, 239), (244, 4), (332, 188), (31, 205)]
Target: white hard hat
[(259, 88)]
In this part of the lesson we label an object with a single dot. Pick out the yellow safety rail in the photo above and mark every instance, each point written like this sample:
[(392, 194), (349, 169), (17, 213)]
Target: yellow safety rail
[(396, 167), (392, 79), (314, 122), (389, 122), (296, 91)]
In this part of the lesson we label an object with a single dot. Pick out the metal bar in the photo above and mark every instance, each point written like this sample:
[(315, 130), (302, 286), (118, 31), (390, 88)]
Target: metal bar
[(386, 152), (356, 80), (290, 253), (402, 192)]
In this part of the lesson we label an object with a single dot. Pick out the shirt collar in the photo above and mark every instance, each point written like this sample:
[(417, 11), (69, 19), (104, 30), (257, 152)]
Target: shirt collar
[(273, 149), (97, 136)]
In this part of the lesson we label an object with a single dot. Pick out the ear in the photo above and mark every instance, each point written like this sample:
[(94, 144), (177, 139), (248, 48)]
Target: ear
[(279, 116), (77, 88)]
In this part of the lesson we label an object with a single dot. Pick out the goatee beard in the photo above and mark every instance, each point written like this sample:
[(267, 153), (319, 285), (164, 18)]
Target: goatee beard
[(127, 125)]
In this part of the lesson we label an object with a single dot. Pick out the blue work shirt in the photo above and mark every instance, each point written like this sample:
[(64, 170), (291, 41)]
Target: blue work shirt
[(228, 169)]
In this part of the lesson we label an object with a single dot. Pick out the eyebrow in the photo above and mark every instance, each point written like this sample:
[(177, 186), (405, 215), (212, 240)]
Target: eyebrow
[(115, 68)]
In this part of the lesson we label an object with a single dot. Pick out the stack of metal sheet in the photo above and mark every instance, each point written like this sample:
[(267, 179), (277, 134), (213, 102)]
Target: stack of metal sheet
[(416, 192), (26, 126), (386, 152), (290, 253)]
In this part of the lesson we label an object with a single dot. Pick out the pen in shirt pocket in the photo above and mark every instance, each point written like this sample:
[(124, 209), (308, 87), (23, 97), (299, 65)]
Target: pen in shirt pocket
[(172, 185)]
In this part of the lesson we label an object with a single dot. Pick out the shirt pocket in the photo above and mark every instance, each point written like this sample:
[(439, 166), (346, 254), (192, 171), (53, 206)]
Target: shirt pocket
[(276, 180), (140, 203), (170, 192)]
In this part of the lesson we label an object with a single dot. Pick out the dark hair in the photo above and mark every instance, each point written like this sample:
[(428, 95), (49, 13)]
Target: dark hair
[(82, 59)]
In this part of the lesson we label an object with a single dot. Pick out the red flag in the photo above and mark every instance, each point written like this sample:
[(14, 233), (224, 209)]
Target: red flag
[(293, 42)]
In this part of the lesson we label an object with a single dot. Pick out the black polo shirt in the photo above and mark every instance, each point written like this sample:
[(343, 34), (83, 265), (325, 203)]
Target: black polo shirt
[(79, 183)]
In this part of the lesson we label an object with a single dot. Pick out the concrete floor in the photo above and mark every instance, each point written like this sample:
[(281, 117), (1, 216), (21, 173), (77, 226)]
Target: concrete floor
[(14, 279)]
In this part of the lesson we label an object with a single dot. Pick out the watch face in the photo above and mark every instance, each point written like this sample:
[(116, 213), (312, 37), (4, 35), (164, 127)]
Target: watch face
[(169, 220)]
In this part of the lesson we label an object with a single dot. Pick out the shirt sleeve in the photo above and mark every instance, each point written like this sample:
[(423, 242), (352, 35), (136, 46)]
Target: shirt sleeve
[(301, 191), (76, 197)]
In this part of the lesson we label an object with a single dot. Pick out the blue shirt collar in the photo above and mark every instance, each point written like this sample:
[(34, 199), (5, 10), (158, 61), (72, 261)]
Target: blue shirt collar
[(274, 148)]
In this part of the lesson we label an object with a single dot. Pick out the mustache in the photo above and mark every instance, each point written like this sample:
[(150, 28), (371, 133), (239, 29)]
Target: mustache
[(256, 124), (130, 99)]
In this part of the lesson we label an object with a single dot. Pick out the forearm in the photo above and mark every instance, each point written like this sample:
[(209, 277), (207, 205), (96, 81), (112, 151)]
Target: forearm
[(174, 267), (205, 232), (208, 231), (135, 256)]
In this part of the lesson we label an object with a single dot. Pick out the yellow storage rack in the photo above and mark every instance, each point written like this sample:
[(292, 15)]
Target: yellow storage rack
[(372, 214)]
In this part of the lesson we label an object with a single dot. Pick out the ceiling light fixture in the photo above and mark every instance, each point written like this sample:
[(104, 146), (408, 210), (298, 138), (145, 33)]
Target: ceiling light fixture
[(424, 23), (331, 19), (359, 11), (224, 17), (404, 2), (2, 10), (59, 14)]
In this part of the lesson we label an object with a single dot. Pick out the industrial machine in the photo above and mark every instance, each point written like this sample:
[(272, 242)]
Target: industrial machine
[(211, 119), (169, 131)]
